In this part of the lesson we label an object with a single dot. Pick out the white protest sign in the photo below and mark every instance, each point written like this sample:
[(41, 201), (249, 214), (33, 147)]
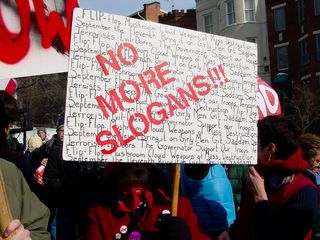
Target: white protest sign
[(145, 92)]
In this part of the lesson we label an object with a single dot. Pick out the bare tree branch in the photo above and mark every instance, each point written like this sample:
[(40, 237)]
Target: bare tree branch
[(303, 109)]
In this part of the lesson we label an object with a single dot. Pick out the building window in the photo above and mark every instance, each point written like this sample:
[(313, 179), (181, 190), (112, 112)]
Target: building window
[(219, 13), (304, 54), (282, 58), (230, 12), (207, 23), (301, 11), (306, 85), (317, 7), (249, 10), (251, 39), (318, 46), (279, 19)]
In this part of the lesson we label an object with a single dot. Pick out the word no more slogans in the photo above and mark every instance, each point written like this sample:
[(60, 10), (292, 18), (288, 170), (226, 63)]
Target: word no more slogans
[(145, 92)]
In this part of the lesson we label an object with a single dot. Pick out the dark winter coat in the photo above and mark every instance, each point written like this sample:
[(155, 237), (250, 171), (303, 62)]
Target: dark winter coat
[(15, 157), (60, 177), (70, 184)]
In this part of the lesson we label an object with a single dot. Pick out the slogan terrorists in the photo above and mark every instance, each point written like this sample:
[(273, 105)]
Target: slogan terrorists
[(156, 112)]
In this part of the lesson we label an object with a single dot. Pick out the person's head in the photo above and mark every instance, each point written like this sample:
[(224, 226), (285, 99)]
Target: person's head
[(34, 142), (60, 127), (8, 114), (277, 139), (137, 173), (42, 133), (310, 144), (130, 183)]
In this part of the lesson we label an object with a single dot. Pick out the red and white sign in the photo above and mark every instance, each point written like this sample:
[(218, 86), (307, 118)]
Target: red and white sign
[(8, 85), (34, 37), (268, 100), (145, 92)]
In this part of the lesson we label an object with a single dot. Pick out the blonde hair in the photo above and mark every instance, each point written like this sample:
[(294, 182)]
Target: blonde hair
[(34, 142), (310, 144)]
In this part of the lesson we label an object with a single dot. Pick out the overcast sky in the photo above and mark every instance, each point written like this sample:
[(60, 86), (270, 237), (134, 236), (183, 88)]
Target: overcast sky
[(127, 7)]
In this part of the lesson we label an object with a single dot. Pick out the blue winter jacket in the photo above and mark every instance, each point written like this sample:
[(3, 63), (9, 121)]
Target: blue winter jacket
[(211, 198)]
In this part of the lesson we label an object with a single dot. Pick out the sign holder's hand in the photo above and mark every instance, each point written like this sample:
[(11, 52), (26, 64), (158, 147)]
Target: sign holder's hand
[(256, 185), (15, 231)]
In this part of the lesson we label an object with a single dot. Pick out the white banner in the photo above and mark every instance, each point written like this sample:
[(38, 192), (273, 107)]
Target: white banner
[(145, 92)]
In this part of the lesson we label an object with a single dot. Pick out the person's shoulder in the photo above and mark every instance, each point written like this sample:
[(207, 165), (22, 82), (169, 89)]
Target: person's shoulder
[(217, 171), (7, 166), (11, 155), (218, 168), (10, 172), (305, 198), (49, 145), (308, 191), (51, 141)]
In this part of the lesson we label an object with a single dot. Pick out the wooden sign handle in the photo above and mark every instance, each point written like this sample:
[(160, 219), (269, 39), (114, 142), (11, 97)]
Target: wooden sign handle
[(175, 190), (5, 215)]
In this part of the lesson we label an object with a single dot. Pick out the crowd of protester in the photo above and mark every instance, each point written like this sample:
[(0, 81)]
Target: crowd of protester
[(65, 200)]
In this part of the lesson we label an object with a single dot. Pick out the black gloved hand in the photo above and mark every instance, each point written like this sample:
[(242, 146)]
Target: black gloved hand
[(172, 228)]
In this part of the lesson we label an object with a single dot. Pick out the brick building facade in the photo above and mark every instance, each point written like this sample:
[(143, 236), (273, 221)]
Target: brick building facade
[(179, 18), (294, 44)]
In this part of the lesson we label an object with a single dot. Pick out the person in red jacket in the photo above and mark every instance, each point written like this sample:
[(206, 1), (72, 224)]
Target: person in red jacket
[(280, 200), (138, 207)]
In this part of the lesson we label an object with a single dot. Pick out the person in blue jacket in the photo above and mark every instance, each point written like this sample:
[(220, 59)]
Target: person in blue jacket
[(210, 192)]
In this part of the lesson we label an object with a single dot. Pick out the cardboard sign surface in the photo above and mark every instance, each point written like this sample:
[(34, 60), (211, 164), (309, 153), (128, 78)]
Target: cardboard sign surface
[(145, 92)]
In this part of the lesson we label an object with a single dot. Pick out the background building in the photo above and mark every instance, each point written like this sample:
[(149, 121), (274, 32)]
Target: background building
[(150, 12), (179, 18), (294, 40), (244, 20)]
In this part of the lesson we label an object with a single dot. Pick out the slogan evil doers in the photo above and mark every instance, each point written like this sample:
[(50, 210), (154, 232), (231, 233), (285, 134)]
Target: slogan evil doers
[(156, 112)]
